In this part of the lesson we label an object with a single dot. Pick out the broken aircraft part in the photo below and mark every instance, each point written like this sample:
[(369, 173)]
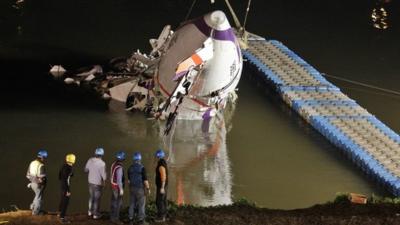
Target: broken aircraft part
[(189, 74)]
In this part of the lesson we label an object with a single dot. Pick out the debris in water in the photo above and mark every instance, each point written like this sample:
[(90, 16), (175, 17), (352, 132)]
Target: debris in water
[(57, 71)]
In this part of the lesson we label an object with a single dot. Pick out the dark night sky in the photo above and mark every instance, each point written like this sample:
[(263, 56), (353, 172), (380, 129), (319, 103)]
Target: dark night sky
[(337, 37)]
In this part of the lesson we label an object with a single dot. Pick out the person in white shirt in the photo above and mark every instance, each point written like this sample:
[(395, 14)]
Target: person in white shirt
[(96, 169)]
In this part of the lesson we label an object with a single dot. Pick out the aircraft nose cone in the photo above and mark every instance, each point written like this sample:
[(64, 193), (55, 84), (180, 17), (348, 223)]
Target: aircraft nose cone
[(217, 20)]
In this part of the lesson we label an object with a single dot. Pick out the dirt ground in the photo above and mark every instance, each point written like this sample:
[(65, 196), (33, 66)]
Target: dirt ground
[(242, 214)]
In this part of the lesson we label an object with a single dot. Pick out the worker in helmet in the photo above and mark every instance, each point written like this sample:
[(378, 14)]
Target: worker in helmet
[(64, 175), (161, 186), (117, 186), (96, 169), (37, 176), (138, 187)]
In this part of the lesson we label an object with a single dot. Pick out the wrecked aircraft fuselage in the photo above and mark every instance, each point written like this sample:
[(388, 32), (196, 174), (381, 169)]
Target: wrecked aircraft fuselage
[(189, 74)]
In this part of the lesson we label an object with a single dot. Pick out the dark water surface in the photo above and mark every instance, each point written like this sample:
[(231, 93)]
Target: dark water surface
[(264, 153)]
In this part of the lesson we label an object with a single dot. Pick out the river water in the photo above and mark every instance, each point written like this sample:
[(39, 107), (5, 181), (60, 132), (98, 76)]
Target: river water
[(261, 150)]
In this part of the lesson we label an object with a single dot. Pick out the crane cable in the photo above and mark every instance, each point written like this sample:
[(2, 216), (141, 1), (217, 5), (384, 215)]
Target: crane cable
[(235, 18), (247, 13), (363, 84), (190, 10)]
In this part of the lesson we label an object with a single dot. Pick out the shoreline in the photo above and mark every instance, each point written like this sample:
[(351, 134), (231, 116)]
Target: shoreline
[(341, 211)]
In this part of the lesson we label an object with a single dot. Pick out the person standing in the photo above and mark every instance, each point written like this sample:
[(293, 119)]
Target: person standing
[(161, 186), (64, 175), (138, 187), (37, 176), (96, 169), (117, 186)]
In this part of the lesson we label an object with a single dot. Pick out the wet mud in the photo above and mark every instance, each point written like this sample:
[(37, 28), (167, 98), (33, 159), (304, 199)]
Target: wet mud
[(238, 214)]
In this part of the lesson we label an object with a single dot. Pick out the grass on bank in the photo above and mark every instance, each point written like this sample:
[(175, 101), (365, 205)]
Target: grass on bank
[(342, 197)]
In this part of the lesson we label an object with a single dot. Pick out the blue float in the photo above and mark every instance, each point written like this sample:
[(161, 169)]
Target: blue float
[(344, 127)]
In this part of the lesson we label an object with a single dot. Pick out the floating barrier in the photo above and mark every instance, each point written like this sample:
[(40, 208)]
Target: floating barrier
[(369, 144)]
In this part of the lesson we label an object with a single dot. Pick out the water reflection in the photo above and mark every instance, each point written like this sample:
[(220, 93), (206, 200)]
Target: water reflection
[(199, 165), (379, 15)]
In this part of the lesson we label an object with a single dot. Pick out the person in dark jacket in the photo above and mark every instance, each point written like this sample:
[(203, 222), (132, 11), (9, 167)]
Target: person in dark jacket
[(138, 187), (64, 176), (161, 186)]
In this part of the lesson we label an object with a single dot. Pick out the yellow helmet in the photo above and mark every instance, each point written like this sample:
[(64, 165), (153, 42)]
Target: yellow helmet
[(70, 158)]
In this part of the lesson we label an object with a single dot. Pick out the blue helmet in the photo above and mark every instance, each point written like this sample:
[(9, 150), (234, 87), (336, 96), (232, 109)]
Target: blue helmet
[(99, 152), (42, 154), (120, 155), (137, 156), (160, 154)]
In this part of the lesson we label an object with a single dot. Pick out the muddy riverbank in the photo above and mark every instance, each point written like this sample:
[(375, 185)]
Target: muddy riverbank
[(242, 213)]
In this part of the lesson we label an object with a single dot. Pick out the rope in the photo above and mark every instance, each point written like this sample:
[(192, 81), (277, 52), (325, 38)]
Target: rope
[(190, 10), (363, 84)]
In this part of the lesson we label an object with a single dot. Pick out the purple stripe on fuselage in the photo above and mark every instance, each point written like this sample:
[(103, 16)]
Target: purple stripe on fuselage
[(179, 75), (221, 35), (224, 35), (202, 26)]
